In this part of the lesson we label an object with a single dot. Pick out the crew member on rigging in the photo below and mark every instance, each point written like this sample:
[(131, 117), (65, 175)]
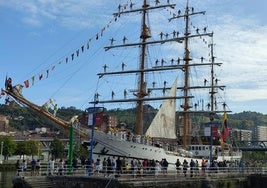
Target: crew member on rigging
[(9, 84)]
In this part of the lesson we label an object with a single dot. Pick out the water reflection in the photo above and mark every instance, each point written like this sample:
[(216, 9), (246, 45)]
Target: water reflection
[(6, 179)]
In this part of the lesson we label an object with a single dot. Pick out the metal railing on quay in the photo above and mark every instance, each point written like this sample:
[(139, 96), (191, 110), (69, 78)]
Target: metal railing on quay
[(148, 172)]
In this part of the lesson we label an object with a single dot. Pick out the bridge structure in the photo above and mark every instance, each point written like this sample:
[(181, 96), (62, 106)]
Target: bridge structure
[(250, 145)]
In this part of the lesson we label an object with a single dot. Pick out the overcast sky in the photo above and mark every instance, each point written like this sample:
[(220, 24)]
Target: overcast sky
[(38, 35)]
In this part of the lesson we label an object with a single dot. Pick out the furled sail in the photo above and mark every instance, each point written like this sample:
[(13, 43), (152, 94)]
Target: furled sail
[(163, 124)]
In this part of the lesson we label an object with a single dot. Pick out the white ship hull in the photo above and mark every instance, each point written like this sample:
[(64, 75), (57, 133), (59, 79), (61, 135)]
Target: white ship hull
[(109, 145)]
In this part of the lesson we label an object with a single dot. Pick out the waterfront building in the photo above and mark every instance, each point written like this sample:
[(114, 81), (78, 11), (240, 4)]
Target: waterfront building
[(241, 135), (260, 133)]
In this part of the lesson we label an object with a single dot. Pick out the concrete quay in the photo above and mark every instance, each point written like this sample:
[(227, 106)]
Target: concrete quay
[(127, 181)]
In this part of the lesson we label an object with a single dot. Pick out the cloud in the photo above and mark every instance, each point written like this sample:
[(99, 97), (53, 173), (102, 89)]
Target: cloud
[(68, 13), (241, 45)]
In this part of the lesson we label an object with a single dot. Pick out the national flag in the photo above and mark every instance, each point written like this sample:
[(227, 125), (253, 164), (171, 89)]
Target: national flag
[(225, 130)]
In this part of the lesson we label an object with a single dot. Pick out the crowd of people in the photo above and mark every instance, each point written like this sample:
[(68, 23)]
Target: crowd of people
[(22, 167), (116, 166)]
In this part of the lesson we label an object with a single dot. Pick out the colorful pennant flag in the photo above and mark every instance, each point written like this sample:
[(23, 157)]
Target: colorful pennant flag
[(33, 78), (40, 76), (26, 83)]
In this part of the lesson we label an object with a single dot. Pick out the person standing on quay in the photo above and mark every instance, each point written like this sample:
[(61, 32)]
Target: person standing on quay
[(192, 167), (24, 167), (105, 167), (38, 167), (109, 168), (119, 166), (178, 164), (51, 166), (157, 168), (165, 165), (18, 168), (60, 167), (203, 167), (185, 166), (33, 167)]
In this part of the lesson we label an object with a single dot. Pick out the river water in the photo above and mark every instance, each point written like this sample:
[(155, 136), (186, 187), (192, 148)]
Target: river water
[(6, 179)]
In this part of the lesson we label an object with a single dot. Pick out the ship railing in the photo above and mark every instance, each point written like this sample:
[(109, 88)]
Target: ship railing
[(150, 172)]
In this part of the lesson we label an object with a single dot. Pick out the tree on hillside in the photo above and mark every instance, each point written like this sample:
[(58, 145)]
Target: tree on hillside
[(27, 147), (34, 147), (9, 146), (57, 149), (23, 149), (80, 151)]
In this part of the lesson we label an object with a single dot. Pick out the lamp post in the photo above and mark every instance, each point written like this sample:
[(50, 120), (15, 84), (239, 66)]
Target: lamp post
[(2, 144), (92, 116), (90, 169), (39, 150)]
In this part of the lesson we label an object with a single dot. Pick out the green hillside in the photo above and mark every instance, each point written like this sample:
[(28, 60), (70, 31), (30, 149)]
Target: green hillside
[(24, 118)]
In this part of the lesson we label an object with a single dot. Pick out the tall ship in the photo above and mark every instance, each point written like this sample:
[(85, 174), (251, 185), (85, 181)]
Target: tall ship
[(168, 69)]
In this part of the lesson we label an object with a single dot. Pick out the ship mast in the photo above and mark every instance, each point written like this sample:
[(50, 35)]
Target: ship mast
[(145, 34), (186, 88), (215, 86), (187, 59), (141, 92), (212, 92)]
